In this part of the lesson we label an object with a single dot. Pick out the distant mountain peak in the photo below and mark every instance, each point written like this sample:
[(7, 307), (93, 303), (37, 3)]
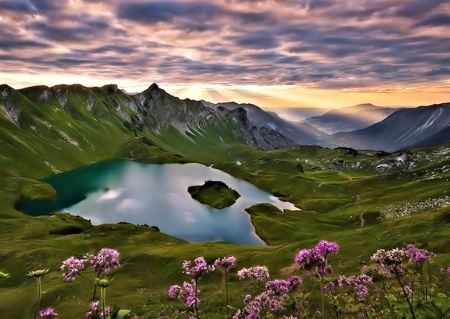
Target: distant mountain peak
[(111, 88), (5, 90), (154, 86), (5, 86)]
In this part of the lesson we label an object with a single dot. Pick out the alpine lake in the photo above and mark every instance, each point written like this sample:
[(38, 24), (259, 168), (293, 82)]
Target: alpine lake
[(155, 194)]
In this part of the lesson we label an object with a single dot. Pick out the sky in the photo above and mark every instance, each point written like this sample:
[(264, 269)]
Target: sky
[(304, 53)]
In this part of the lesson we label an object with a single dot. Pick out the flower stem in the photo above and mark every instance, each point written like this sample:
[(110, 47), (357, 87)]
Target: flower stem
[(39, 295), (195, 296), (226, 291), (405, 294), (103, 298), (95, 286), (323, 302)]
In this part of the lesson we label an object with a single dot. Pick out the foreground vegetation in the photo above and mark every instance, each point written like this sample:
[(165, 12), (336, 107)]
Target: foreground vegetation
[(398, 284)]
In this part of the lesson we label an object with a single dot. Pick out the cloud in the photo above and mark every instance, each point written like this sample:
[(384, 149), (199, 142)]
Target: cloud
[(309, 43), (256, 40), (151, 12), (30, 6), (435, 20), (13, 45), (439, 72)]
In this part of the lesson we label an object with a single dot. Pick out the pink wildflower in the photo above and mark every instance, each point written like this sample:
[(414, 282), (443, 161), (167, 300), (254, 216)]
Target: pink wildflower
[(48, 313)]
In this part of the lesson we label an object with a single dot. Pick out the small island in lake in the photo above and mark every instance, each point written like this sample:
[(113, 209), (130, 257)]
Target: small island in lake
[(215, 194)]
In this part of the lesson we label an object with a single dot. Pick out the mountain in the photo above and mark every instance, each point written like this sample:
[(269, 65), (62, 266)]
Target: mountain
[(421, 126), (350, 118), (87, 120), (300, 133), (441, 137)]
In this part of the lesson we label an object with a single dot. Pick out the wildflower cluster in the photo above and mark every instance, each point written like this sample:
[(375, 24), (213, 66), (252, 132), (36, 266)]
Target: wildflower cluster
[(316, 258), (390, 260), (95, 310), (398, 291), (262, 303), (278, 286), (48, 313), (200, 267), (325, 247), (186, 294), (418, 255), (257, 273), (71, 267), (225, 263), (445, 271), (189, 293), (359, 283), (104, 261)]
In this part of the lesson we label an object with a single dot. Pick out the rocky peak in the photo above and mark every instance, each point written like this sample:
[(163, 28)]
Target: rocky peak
[(5, 90), (110, 88)]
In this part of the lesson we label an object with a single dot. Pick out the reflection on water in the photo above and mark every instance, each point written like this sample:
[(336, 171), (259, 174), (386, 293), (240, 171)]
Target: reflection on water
[(157, 195)]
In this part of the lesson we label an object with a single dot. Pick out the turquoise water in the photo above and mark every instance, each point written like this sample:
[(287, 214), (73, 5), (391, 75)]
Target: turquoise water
[(138, 193)]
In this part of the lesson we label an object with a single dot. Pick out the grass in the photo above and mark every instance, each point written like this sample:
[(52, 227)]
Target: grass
[(214, 193)]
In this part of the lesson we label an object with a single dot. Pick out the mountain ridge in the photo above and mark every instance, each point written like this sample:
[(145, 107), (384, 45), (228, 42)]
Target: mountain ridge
[(350, 118), (401, 129)]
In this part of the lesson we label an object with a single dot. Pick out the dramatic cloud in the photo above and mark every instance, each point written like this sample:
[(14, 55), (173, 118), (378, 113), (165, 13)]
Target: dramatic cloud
[(348, 45)]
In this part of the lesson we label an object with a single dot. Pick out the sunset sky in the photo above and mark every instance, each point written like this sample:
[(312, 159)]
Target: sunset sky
[(327, 53)]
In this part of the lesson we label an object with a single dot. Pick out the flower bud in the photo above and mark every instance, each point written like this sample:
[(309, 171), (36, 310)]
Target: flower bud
[(3, 275), (37, 273), (104, 282)]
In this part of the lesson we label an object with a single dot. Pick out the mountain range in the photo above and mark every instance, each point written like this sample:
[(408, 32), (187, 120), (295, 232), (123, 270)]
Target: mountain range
[(407, 128), (350, 118), (78, 118), (300, 133)]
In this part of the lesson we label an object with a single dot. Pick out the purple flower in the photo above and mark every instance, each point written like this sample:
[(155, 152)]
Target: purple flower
[(225, 262), (257, 273), (359, 284), (199, 268), (72, 266), (106, 259), (186, 294), (262, 302), (174, 291), (93, 308), (390, 260), (408, 290), (294, 282), (310, 259), (326, 247), (48, 313), (330, 288), (277, 287), (418, 255)]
